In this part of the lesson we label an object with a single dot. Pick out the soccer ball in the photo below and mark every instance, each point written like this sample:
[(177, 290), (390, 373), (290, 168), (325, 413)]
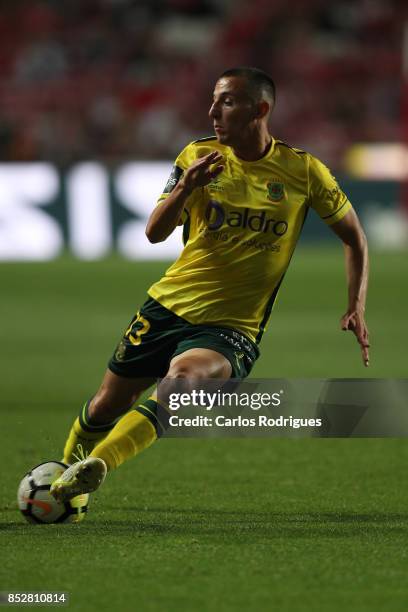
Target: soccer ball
[(37, 504)]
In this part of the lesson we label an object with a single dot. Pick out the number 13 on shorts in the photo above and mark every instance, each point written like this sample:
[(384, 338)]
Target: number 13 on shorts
[(136, 329)]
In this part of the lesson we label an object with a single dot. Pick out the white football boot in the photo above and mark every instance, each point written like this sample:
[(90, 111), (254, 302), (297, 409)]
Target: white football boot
[(81, 477)]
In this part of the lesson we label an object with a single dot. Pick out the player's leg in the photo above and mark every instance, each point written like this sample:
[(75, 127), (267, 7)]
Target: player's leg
[(114, 398), (99, 415), (140, 427), (140, 357)]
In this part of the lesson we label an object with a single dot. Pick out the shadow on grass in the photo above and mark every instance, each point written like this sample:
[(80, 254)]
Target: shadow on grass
[(171, 522)]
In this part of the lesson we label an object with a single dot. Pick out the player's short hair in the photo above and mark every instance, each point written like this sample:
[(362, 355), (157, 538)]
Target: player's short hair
[(260, 83)]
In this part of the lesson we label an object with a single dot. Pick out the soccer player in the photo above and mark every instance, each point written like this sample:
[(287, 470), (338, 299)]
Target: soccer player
[(242, 197)]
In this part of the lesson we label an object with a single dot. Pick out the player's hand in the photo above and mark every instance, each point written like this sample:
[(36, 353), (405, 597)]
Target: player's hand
[(202, 171), (354, 321)]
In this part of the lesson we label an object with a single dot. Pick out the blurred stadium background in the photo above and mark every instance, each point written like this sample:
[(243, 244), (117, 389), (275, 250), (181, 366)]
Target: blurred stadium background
[(97, 97), (117, 79), (105, 93)]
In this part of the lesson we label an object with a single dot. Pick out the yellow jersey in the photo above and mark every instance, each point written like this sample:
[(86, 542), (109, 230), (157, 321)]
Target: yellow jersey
[(240, 232)]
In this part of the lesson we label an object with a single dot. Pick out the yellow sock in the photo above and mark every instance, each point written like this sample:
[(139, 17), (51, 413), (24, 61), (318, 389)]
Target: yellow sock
[(82, 432), (134, 432), (130, 436)]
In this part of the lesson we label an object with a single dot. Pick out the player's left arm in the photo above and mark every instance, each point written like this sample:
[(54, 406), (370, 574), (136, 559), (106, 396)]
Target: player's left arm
[(333, 206), (350, 232)]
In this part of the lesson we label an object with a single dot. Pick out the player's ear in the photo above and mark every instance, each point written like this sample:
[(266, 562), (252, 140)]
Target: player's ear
[(263, 109)]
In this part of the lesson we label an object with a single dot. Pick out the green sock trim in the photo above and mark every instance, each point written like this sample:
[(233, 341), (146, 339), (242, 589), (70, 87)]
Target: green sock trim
[(156, 414)]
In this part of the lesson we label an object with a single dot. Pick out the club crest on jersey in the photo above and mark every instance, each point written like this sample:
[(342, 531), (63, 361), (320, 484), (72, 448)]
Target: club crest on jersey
[(276, 191)]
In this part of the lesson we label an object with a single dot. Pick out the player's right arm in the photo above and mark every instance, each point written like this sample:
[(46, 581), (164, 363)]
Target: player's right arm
[(167, 215)]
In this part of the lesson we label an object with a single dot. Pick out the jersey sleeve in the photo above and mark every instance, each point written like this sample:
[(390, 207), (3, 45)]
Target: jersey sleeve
[(182, 162), (325, 195)]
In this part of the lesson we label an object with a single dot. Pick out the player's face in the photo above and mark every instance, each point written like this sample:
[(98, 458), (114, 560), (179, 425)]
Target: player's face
[(232, 111)]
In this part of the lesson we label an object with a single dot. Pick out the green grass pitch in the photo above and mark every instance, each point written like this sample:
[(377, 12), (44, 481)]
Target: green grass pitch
[(207, 525)]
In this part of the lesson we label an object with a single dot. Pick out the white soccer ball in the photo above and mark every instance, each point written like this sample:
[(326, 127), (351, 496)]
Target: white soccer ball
[(37, 504)]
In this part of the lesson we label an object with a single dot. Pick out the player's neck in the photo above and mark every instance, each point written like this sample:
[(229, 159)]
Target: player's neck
[(255, 148)]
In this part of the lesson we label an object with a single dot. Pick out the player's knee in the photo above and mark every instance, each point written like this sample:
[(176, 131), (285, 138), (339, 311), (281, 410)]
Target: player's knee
[(185, 371), (179, 379), (199, 364), (196, 371)]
